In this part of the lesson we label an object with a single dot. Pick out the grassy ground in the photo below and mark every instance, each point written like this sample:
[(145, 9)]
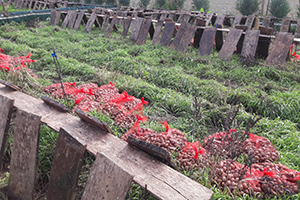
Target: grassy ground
[(170, 81)]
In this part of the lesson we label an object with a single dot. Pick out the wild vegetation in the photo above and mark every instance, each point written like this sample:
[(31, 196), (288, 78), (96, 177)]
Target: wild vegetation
[(172, 82)]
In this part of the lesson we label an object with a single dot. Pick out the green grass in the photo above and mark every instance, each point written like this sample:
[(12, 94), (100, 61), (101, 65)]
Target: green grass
[(170, 81)]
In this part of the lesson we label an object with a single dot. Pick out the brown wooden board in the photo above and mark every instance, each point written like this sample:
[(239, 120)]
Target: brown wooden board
[(207, 41), (219, 40), (286, 24), (57, 18), (208, 18), (250, 21), (297, 32), (146, 170), (266, 21), (186, 18), (157, 33), (280, 49), (79, 19), (10, 85), (6, 105), (52, 17), (163, 17), (126, 25), (90, 22), (107, 180), (66, 165), (72, 19), (167, 34), (266, 30), (112, 24), (179, 35), (144, 31), (250, 44), (24, 158), (55, 104), (242, 27), (237, 20), (186, 39), (230, 43), (93, 120), (154, 150), (220, 21), (66, 20), (136, 26)]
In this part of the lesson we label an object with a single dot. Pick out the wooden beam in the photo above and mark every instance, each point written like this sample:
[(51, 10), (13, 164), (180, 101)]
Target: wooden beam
[(126, 25), (157, 33), (24, 158), (6, 105), (90, 22), (280, 49), (183, 26), (230, 44), (167, 33), (104, 24), (207, 41), (72, 18), (66, 20), (143, 33), (66, 165), (285, 24), (162, 181), (136, 26), (112, 24), (250, 44), (186, 39), (79, 19), (107, 180)]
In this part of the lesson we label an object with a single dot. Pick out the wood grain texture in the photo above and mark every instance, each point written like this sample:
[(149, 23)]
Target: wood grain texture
[(107, 180), (280, 49), (57, 18), (237, 20), (230, 43), (136, 26), (112, 24), (104, 24), (250, 44), (79, 19), (66, 165), (186, 39), (162, 181), (72, 19), (24, 158), (207, 41), (144, 31), (52, 17), (179, 35), (167, 34), (157, 33), (285, 24), (126, 25), (90, 22), (6, 105), (66, 20)]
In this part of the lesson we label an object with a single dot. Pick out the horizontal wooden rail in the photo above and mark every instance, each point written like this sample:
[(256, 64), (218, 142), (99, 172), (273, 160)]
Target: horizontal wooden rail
[(161, 180)]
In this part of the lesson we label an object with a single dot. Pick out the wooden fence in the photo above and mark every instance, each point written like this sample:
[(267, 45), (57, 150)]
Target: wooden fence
[(246, 36), (117, 163)]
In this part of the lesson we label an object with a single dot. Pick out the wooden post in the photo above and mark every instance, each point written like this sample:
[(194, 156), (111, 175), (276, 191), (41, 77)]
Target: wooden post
[(66, 20), (157, 33), (286, 24), (207, 41), (79, 19), (90, 22), (143, 33), (231, 42), (220, 21), (126, 25), (250, 44), (186, 39), (179, 35), (72, 19), (112, 24), (24, 156), (104, 24), (167, 33), (66, 166), (107, 180), (136, 26), (6, 105), (237, 20), (280, 49)]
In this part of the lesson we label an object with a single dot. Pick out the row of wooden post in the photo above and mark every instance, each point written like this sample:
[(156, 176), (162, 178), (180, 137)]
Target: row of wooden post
[(241, 39)]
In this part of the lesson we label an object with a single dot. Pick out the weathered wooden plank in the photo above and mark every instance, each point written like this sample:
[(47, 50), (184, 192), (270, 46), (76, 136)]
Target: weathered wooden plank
[(208, 18), (265, 30), (237, 20), (104, 24), (107, 180), (72, 19), (179, 35), (207, 41), (250, 44), (35, 5), (126, 25), (167, 34), (79, 19), (52, 17), (266, 21), (220, 21), (157, 33), (6, 105), (163, 17), (66, 20), (90, 22), (162, 181), (57, 18), (219, 40), (286, 24), (197, 37), (230, 43), (112, 24), (66, 166), (55, 104), (250, 21), (24, 156), (280, 49), (136, 26), (186, 39), (144, 31), (297, 31)]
